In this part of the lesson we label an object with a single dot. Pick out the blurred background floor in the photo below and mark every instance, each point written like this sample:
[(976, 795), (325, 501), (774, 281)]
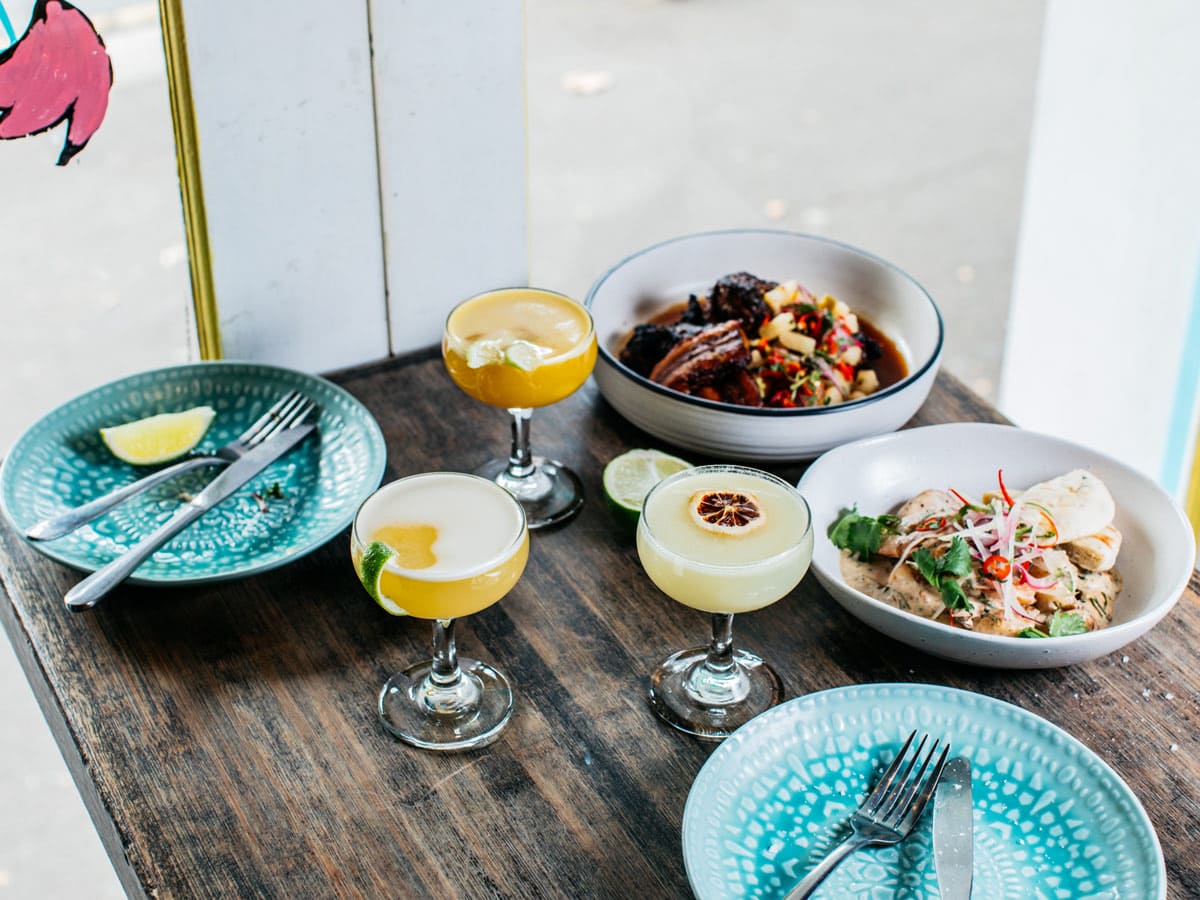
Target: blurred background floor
[(902, 128)]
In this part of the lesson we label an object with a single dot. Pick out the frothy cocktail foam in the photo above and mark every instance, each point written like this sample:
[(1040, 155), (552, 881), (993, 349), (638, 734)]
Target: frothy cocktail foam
[(453, 525)]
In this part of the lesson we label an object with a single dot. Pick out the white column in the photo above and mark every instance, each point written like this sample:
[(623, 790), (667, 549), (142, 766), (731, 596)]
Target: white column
[(284, 112), (1103, 344), (449, 86)]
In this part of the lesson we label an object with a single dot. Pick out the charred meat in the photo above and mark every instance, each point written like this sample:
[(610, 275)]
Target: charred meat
[(707, 357), (740, 297)]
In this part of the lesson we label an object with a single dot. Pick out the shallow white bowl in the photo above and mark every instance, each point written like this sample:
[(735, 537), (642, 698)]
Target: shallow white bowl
[(660, 276), (877, 474)]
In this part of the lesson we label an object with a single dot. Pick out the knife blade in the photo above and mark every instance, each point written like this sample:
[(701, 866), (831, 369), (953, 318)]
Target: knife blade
[(954, 831), (88, 592)]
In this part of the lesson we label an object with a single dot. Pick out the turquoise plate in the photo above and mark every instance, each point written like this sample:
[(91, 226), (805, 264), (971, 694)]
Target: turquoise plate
[(1051, 819), (61, 462)]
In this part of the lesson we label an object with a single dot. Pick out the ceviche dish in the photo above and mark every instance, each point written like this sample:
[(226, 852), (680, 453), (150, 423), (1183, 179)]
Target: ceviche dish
[(1033, 563), (766, 344)]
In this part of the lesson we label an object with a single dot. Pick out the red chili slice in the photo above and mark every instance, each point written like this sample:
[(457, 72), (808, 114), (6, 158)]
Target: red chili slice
[(997, 567)]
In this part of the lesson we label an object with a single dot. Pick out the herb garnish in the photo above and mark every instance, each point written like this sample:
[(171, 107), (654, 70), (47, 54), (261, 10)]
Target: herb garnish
[(861, 535), (946, 572), (1062, 624)]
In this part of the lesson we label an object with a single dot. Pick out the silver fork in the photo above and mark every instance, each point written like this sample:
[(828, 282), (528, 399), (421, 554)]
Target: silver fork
[(890, 812), (285, 412)]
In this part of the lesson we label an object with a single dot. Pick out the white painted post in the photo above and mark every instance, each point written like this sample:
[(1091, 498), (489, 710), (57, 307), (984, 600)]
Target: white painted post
[(284, 113), (449, 87), (1103, 344)]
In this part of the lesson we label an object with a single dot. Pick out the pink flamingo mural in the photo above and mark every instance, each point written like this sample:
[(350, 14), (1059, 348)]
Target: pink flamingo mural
[(57, 71)]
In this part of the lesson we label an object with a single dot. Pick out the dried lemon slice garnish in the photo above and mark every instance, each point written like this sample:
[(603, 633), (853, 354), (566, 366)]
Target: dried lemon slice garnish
[(726, 512)]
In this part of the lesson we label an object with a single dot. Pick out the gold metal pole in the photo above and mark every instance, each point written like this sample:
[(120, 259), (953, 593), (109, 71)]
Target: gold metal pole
[(187, 155)]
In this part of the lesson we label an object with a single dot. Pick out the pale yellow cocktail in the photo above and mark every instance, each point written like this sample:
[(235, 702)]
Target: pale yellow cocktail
[(725, 540), (726, 572)]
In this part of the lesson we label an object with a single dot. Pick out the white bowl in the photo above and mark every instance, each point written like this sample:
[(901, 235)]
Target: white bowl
[(653, 279), (1157, 552)]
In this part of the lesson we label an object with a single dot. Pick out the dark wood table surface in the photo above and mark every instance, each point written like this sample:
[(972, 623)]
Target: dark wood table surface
[(225, 740)]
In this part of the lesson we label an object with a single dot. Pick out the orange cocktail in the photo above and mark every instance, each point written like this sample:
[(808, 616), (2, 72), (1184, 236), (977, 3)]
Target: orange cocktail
[(518, 349)]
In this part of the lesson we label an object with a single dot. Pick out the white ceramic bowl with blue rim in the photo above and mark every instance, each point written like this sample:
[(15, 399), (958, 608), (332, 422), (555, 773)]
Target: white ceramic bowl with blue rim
[(1157, 550), (1052, 820), (649, 281)]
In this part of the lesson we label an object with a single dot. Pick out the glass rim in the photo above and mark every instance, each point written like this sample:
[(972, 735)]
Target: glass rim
[(580, 347), (644, 523), (499, 559)]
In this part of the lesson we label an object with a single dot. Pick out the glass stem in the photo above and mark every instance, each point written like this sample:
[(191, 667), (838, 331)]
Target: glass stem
[(446, 690), (718, 681), (520, 458), (444, 672), (720, 650)]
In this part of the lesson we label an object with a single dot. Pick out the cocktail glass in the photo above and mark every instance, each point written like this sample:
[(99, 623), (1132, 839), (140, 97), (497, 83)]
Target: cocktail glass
[(724, 540), (518, 349), (440, 546)]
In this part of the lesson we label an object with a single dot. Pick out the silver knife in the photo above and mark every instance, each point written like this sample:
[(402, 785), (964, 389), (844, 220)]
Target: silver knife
[(954, 831), (88, 592)]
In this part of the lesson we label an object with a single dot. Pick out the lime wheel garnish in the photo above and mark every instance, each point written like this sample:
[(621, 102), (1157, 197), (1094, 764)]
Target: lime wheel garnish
[(726, 512)]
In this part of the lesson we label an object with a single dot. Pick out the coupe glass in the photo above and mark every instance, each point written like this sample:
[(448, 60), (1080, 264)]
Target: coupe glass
[(518, 349), (442, 545), (724, 540)]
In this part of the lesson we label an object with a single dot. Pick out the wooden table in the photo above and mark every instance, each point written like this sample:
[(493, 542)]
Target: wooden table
[(225, 739)]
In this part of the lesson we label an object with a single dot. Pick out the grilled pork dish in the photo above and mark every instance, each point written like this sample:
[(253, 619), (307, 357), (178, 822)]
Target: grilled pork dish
[(1035, 563), (760, 343)]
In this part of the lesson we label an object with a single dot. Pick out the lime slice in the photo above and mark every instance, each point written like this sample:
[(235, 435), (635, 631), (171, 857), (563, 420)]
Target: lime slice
[(370, 571), (158, 438), (523, 355), (483, 353), (629, 477)]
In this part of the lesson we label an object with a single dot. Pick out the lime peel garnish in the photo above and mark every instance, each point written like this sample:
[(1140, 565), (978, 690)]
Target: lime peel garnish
[(370, 571)]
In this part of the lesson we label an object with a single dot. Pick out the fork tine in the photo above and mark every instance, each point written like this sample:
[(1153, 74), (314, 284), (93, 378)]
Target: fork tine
[(266, 418), (283, 418), (885, 792), (903, 802), (917, 806), (885, 781)]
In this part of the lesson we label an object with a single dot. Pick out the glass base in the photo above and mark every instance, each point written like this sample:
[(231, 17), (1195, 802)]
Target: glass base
[(550, 494), (464, 717), (685, 694)]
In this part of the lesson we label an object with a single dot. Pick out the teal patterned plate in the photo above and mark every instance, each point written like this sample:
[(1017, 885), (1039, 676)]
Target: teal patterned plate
[(1052, 820), (60, 462)]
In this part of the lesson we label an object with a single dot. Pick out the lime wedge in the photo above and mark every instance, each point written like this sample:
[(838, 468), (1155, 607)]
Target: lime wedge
[(483, 353), (523, 355), (160, 438), (629, 477), (370, 571)]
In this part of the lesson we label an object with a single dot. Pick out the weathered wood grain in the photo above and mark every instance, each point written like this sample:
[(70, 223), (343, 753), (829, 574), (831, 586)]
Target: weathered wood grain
[(225, 739)]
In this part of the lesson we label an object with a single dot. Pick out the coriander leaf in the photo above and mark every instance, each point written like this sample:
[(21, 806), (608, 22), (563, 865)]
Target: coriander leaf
[(928, 565), (1030, 633), (957, 560), (1063, 624), (861, 535), (889, 523), (953, 595)]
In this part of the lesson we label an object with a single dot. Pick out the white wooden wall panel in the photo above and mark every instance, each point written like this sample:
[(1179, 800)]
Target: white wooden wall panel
[(283, 104), (449, 83), (1101, 343)]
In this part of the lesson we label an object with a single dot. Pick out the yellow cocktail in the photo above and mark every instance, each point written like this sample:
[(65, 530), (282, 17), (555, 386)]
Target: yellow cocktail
[(518, 349), (725, 540), (440, 546)]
